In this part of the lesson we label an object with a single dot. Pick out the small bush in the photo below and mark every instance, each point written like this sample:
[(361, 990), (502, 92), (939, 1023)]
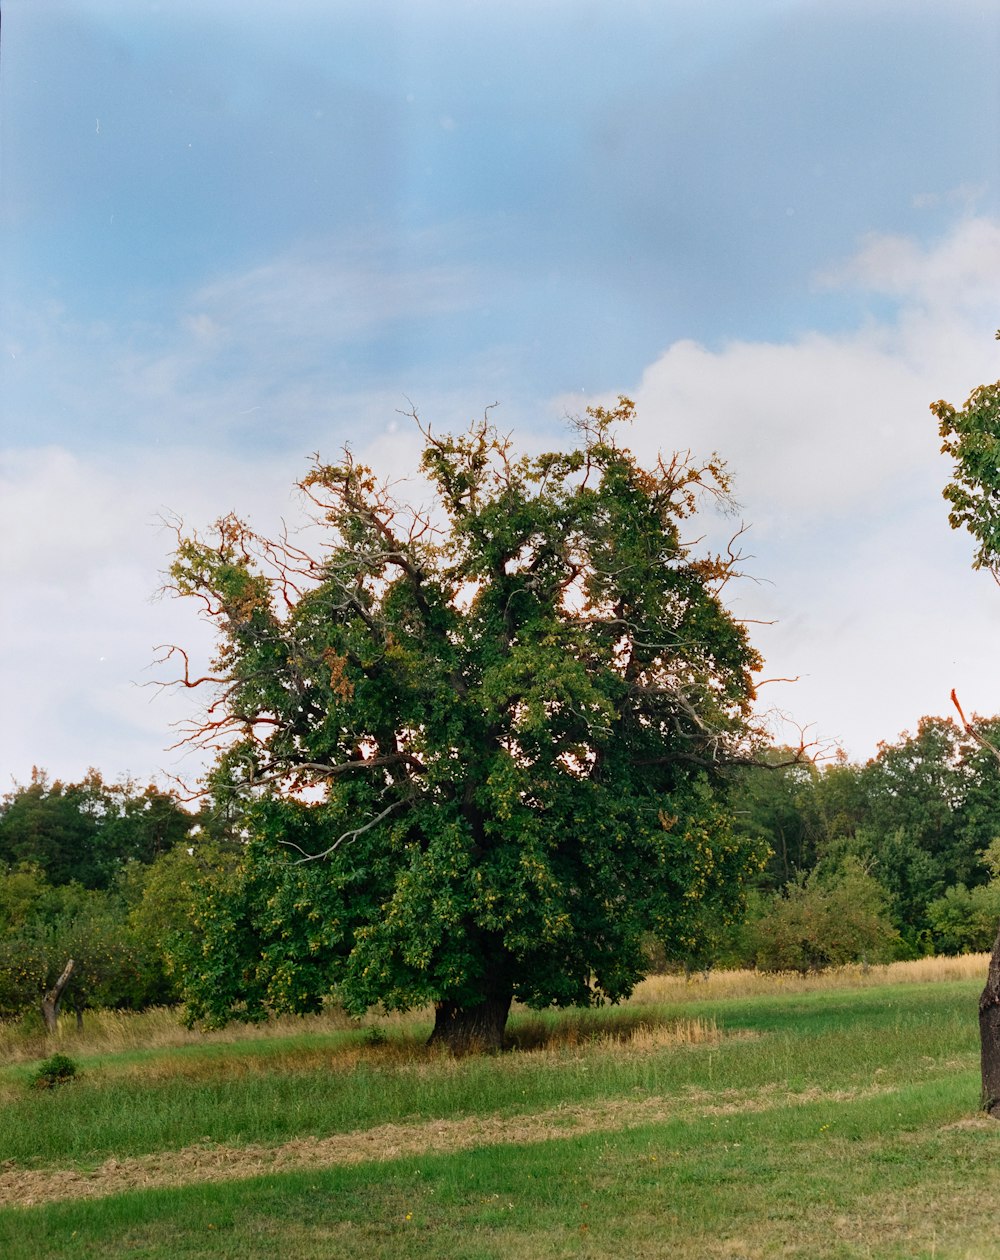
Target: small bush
[(964, 920), (56, 1070), (827, 920)]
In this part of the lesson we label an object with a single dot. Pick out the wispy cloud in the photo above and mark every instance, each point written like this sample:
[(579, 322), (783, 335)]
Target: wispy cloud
[(294, 352), (330, 295), (959, 274)]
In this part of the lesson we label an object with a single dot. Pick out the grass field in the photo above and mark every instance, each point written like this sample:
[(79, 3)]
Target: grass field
[(735, 1116)]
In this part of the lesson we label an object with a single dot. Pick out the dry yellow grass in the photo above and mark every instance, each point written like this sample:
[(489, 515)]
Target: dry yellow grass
[(740, 984), (629, 1031), (678, 1032), (160, 1028), (111, 1032)]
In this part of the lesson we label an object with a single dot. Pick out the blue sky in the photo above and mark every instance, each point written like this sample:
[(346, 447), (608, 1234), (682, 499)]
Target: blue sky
[(235, 233)]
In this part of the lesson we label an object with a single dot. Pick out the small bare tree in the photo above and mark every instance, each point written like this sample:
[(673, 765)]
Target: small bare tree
[(53, 999)]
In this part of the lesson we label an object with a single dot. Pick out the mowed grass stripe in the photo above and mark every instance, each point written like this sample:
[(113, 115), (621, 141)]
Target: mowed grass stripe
[(904, 1173), (391, 1141), (614, 1134)]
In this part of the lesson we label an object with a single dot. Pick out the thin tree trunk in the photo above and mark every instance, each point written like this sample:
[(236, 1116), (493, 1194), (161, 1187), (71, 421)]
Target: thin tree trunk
[(52, 999), (989, 1034), (989, 999), (472, 1029)]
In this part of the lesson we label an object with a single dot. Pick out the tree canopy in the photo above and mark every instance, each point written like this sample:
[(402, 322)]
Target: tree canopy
[(971, 436), (917, 816), (87, 832), (479, 740), (71, 854)]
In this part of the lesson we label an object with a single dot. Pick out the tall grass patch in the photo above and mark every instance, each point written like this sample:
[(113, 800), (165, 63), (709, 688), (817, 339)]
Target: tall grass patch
[(722, 984)]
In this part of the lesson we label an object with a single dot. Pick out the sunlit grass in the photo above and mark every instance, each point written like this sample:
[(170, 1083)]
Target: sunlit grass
[(273, 1089), (161, 1028), (701, 986), (731, 1116), (117, 1032)]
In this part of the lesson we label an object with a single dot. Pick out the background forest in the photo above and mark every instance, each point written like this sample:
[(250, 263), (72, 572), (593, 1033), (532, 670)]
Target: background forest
[(895, 858)]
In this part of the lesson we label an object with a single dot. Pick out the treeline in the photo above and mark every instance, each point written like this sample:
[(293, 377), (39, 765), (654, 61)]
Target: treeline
[(895, 858), (105, 874)]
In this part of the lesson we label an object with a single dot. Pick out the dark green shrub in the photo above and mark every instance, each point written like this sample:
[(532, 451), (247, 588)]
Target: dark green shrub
[(54, 1071), (964, 920)]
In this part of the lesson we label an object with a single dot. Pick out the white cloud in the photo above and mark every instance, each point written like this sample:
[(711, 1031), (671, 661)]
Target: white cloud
[(84, 552), (837, 467), (878, 629), (83, 557), (805, 427), (830, 422), (960, 273)]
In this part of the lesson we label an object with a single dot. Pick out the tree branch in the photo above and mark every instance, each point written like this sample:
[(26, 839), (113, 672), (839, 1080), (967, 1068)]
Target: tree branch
[(971, 730), (348, 835)]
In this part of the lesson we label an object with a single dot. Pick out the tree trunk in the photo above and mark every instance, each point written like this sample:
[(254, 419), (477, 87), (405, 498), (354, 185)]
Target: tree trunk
[(50, 1002), (472, 1029), (989, 1034)]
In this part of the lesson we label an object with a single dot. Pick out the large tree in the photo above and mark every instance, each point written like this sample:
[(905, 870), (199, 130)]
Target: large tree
[(479, 740)]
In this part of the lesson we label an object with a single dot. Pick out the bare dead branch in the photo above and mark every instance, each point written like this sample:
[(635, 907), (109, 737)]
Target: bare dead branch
[(352, 834), (360, 765), (970, 730), (171, 649)]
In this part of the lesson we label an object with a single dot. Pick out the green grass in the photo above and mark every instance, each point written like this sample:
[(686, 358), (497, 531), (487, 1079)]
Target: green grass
[(876, 1177), (889, 1159), (167, 1100)]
